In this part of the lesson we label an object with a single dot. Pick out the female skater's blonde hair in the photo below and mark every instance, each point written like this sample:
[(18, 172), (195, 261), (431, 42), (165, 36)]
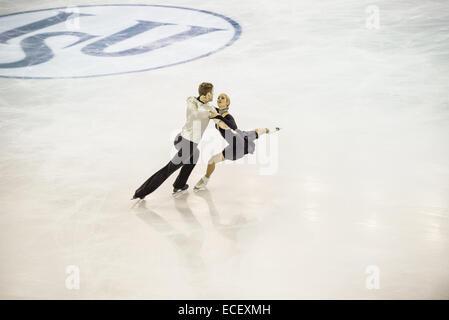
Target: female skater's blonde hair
[(228, 100)]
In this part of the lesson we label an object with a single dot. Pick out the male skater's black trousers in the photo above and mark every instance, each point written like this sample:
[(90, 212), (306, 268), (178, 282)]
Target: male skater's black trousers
[(186, 159)]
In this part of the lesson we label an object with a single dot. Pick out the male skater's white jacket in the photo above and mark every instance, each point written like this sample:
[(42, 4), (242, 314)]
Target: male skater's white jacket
[(197, 119)]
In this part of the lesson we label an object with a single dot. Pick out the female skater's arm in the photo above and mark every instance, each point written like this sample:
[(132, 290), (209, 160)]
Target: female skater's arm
[(222, 125), (228, 120)]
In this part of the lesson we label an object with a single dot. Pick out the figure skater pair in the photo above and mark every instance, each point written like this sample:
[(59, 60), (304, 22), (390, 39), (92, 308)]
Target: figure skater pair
[(198, 114)]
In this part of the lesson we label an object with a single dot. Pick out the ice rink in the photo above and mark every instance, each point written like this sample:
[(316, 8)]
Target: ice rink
[(349, 201)]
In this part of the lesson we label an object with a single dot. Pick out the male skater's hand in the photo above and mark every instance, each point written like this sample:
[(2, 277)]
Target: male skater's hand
[(213, 115)]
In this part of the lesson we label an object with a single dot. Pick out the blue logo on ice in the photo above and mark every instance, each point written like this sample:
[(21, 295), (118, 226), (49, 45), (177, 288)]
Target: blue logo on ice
[(90, 41)]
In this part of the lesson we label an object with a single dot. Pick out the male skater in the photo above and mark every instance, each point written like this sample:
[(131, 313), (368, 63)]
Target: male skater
[(197, 119)]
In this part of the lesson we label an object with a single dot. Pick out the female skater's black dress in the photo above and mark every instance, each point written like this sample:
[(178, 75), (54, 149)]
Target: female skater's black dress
[(239, 142)]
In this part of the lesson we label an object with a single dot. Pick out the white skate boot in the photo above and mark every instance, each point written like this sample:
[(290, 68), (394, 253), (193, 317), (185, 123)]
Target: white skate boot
[(201, 184)]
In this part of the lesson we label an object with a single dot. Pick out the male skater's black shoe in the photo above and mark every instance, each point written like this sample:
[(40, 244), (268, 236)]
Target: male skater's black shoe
[(178, 192), (136, 197)]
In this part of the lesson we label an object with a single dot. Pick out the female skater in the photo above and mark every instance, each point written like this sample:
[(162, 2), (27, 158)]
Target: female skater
[(239, 142)]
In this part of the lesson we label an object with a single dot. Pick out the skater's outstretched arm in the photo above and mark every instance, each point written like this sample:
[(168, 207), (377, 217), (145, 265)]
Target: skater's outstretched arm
[(261, 131)]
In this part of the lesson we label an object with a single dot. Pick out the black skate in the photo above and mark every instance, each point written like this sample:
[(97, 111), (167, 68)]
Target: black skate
[(178, 192), (136, 197)]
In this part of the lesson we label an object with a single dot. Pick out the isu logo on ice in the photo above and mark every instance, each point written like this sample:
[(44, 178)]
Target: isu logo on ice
[(88, 41)]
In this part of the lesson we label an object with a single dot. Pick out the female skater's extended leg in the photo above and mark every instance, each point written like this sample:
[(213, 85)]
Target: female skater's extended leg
[(201, 184), (211, 164)]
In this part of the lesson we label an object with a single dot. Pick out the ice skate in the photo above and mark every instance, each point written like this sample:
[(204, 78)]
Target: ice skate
[(138, 201), (178, 192), (201, 184)]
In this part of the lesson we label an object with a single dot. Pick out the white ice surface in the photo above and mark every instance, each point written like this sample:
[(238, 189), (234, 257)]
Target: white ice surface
[(362, 178)]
